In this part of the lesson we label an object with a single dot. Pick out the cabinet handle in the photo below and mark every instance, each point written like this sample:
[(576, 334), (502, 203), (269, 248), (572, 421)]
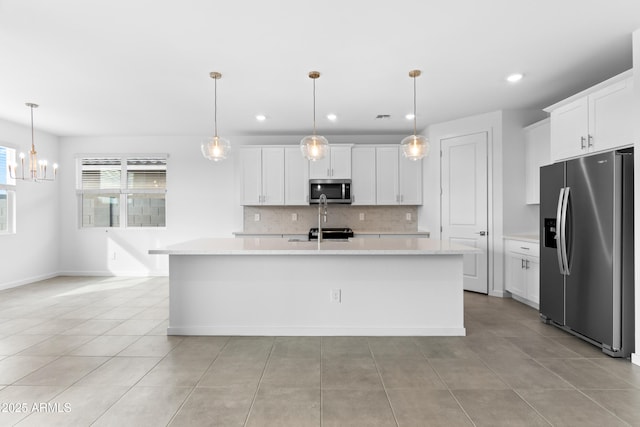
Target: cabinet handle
[(526, 264), (590, 140), (331, 171), (521, 263), (583, 142), (524, 247)]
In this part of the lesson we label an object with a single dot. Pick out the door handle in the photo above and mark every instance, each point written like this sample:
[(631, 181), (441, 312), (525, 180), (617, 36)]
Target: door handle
[(563, 231), (558, 236), (482, 233)]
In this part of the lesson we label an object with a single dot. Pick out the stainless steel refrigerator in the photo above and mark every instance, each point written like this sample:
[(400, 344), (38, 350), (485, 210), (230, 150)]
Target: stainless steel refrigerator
[(586, 251)]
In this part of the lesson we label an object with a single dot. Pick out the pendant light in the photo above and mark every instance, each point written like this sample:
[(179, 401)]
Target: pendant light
[(215, 148), (37, 169), (314, 147), (415, 146)]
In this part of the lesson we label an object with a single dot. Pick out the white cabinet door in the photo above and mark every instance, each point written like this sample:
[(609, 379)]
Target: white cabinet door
[(569, 129), (537, 144), (611, 116), (340, 162), (410, 181), (533, 279), (273, 176), (296, 177), (320, 169), (514, 274), (336, 164), (387, 174), (363, 175), (251, 176)]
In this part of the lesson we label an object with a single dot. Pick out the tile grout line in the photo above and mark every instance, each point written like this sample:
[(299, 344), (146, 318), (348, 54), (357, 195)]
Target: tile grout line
[(464, 411), (384, 388), (255, 394), (321, 389), (195, 386)]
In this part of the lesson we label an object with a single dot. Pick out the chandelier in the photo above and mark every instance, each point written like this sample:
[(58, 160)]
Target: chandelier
[(37, 168)]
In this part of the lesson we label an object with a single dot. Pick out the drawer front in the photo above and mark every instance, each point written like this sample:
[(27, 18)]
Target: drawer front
[(522, 247)]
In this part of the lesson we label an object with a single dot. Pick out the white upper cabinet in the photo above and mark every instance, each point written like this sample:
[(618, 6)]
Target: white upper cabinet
[(363, 175), (398, 180), (537, 145), (598, 119), (262, 176), (296, 177), (335, 165)]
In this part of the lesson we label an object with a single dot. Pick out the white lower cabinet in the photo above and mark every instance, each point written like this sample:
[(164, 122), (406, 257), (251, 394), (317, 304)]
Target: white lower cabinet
[(522, 270)]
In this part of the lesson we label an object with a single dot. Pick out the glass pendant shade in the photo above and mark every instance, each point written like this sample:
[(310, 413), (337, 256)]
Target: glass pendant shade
[(215, 148), (314, 147), (415, 147)]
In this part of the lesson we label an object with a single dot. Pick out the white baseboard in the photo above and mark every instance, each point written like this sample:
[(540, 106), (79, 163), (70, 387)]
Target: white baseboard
[(108, 273), (312, 331), (27, 280), (635, 358), (499, 294)]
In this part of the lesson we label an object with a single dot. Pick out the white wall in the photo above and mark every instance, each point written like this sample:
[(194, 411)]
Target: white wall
[(31, 253), (202, 201), (507, 212), (636, 82)]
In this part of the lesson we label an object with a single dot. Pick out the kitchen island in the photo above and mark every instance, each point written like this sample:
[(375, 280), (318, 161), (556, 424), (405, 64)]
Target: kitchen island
[(267, 286)]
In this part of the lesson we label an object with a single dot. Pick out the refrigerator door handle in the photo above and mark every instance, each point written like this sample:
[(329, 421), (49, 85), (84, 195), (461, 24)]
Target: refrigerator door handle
[(559, 232), (563, 231)]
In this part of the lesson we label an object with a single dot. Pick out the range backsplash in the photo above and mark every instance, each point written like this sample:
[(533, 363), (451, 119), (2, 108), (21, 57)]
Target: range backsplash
[(278, 219)]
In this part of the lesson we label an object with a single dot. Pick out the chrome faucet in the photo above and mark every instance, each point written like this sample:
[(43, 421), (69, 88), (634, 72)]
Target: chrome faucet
[(322, 214)]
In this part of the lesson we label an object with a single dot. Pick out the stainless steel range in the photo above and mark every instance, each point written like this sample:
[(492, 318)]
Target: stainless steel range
[(339, 233)]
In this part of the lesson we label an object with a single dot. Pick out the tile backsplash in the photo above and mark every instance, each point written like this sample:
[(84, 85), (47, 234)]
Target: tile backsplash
[(280, 219)]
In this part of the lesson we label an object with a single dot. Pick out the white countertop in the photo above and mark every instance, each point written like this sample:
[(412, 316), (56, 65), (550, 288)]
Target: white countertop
[(356, 232), (275, 246), (534, 238)]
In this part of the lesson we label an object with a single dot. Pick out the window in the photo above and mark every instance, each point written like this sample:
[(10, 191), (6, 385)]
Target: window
[(124, 191), (7, 192)]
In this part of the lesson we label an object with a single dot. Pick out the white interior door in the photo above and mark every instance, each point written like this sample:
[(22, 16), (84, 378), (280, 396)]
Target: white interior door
[(464, 203)]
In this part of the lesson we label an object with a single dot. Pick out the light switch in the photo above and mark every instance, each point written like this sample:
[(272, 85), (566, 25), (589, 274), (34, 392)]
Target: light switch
[(361, 216)]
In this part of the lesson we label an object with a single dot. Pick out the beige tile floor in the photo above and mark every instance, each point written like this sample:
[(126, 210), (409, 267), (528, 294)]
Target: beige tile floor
[(78, 351)]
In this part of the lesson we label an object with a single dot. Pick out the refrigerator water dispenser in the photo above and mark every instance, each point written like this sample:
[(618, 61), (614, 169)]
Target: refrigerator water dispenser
[(550, 233)]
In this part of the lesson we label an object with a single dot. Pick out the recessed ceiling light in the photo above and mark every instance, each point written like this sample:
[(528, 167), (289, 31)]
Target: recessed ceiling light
[(261, 117), (409, 116), (515, 77), (332, 117)]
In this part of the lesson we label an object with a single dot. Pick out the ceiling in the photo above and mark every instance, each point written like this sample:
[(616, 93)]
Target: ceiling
[(141, 67)]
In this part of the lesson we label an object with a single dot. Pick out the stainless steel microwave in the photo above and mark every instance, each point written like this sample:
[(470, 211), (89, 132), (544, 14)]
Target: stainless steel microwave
[(336, 190)]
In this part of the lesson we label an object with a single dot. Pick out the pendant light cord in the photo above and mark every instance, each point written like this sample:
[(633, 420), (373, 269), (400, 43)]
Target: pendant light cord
[(415, 132), (314, 107), (215, 107)]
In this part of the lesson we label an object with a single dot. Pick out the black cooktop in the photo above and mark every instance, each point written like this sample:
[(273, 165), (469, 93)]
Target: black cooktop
[(331, 233)]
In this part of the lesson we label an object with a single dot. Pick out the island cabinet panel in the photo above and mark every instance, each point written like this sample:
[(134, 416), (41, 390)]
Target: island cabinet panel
[(398, 180), (600, 119), (296, 177), (262, 174), (363, 175), (335, 165)]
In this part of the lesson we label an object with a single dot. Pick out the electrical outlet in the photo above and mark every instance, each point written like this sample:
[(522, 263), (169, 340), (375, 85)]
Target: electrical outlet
[(361, 216), (335, 295), (256, 217), (408, 216), (294, 217)]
